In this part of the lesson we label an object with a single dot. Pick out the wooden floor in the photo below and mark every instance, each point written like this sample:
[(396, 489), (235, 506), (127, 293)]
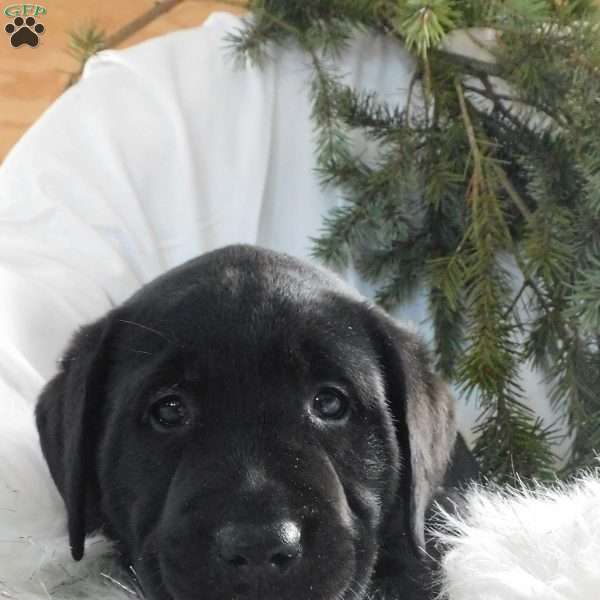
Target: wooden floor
[(31, 78)]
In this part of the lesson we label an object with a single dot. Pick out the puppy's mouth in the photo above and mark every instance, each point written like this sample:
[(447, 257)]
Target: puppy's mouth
[(156, 587), (244, 592)]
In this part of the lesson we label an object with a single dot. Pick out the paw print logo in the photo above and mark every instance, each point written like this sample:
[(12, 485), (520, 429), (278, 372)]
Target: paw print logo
[(24, 31)]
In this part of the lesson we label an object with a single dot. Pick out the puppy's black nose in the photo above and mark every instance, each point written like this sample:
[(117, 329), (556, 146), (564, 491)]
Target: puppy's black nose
[(274, 547)]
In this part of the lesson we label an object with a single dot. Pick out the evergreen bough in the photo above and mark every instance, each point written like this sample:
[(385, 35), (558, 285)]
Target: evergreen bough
[(484, 191)]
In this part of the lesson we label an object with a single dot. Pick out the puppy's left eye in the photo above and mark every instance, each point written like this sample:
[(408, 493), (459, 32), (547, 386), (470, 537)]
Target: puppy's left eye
[(169, 412), (330, 404)]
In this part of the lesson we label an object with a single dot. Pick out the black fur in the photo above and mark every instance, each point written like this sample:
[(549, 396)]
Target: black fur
[(247, 337)]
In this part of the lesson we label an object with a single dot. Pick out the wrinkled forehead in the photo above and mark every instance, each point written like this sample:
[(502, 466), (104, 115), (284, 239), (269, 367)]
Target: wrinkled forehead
[(253, 325)]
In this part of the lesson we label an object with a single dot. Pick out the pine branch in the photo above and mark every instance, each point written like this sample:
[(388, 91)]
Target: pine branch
[(480, 175), (477, 175)]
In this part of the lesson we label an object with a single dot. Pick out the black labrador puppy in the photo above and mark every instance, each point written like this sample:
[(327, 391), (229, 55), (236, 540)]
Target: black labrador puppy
[(247, 427)]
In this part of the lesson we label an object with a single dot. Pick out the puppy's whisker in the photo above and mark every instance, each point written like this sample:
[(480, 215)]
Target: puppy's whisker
[(147, 328), (355, 590), (134, 351), (118, 584)]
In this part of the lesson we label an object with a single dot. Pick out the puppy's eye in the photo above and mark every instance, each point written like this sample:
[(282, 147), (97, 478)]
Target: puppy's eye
[(169, 412), (330, 404)]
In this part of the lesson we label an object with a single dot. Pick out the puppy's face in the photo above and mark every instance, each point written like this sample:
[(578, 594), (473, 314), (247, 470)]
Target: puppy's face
[(245, 427)]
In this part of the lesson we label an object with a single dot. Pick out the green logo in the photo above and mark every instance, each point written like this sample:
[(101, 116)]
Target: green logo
[(24, 10)]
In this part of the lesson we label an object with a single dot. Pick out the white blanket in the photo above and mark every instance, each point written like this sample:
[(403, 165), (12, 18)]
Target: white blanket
[(162, 152)]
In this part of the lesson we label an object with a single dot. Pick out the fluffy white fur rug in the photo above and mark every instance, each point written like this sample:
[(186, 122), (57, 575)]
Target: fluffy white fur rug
[(35, 562), (56, 576), (542, 544)]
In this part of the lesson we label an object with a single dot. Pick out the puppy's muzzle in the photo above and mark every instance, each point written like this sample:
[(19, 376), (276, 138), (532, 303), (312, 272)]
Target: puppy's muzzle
[(259, 551)]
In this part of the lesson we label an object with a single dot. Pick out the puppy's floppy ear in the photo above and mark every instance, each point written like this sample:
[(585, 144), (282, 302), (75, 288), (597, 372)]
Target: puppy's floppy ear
[(67, 417), (423, 409)]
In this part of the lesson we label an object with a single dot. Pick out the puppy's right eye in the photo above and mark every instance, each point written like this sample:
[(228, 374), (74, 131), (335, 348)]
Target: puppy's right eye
[(330, 405), (169, 412)]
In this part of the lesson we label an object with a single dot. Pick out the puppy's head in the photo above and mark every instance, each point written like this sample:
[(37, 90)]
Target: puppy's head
[(247, 427)]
